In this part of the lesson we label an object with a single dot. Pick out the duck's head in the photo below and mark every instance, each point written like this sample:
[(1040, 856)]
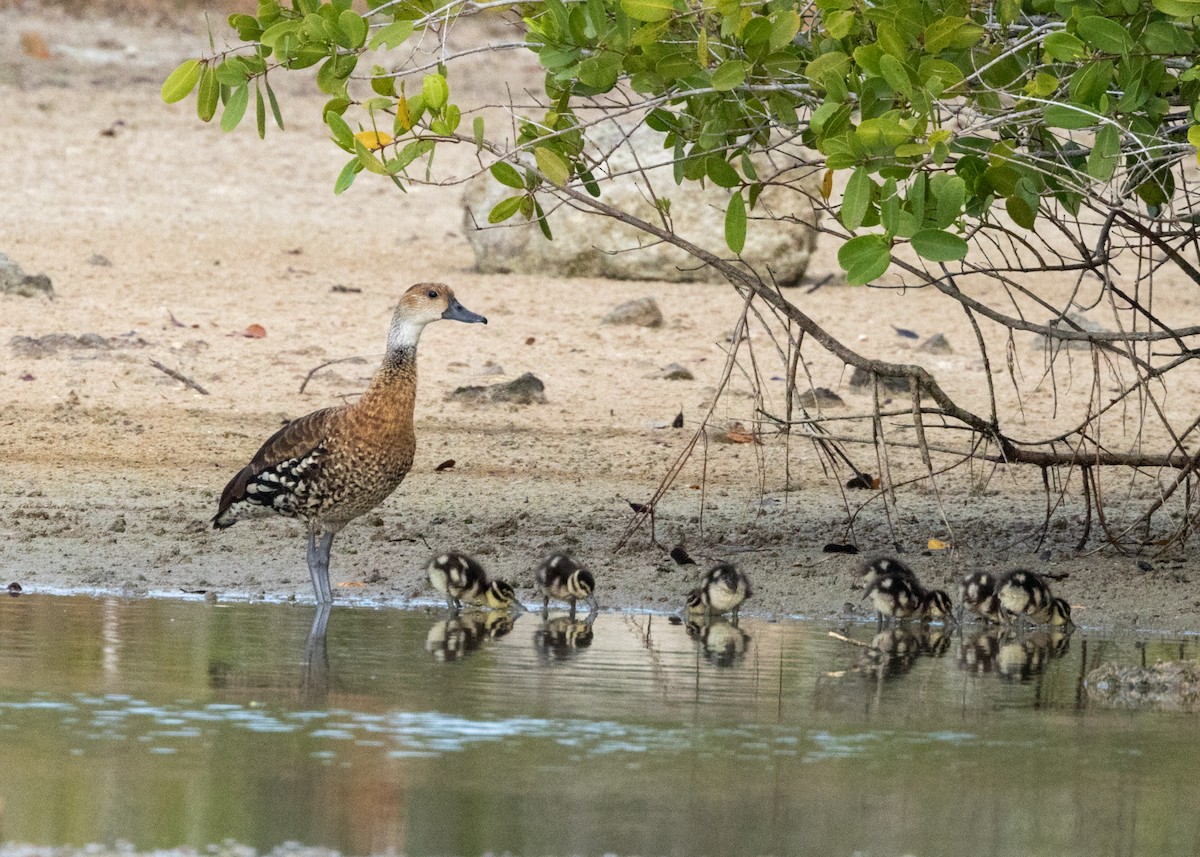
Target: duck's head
[(422, 304)]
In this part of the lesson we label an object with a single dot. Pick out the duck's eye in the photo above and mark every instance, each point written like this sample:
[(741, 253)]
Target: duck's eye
[(432, 293)]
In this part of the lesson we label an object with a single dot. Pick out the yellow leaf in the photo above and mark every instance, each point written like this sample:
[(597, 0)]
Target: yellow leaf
[(937, 545), (373, 140), (827, 185)]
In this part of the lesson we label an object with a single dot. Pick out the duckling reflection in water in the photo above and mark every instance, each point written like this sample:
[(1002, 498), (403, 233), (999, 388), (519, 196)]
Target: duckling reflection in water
[(723, 589), (722, 641), (455, 638), (1027, 596), (1011, 655), (460, 578), (562, 636), (560, 577), (1025, 656), (894, 650)]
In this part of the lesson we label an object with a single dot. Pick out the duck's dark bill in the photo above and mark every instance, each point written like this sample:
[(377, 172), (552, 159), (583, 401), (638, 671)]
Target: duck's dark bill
[(458, 312)]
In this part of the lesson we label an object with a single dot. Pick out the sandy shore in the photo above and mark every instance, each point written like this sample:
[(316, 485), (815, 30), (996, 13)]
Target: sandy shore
[(167, 239)]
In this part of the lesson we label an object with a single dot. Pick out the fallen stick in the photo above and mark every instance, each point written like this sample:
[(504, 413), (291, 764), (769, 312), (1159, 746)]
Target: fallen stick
[(846, 639), (179, 376)]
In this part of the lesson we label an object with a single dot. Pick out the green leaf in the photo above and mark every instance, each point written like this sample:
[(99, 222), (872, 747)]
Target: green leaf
[(477, 131), (1068, 117), (274, 103), (1063, 47), (882, 134), (721, 172), (507, 175), (346, 176), (648, 10), (1193, 136), (1106, 152), (341, 131), (1178, 8), (260, 113), (180, 83), (1022, 213), (355, 28), (435, 91), (235, 108), (856, 199), (1105, 34), (542, 221), (735, 223), (368, 160), (552, 165), (729, 75), (232, 72), (896, 75), (392, 35), (505, 209), (208, 95), (601, 71), (937, 245), (785, 24), (951, 33), (865, 258)]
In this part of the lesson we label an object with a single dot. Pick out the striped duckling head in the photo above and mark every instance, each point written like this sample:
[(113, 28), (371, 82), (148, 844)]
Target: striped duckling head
[(501, 596), (935, 604), (562, 578), (1056, 614)]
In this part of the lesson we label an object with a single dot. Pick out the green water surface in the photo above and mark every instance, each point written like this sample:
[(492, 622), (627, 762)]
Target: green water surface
[(182, 723)]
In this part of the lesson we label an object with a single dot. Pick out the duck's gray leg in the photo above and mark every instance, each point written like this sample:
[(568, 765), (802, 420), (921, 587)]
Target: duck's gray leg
[(318, 566)]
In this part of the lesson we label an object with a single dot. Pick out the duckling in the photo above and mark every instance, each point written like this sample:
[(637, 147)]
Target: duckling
[(1025, 594), (723, 589), (562, 578), (331, 466), (460, 578), (898, 595), (872, 570), (977, 593)]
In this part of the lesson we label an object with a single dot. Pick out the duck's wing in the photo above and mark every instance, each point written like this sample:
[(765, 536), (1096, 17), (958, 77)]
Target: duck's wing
[(286, 455)]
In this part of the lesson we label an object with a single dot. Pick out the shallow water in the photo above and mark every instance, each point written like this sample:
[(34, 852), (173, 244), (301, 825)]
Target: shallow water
[(174, 723)]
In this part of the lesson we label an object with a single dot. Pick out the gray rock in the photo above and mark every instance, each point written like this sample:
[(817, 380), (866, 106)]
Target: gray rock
[(937, 344), (1171, 685), (14, 281), (819, 396), (590, 245), (863, 378), (1079, 319), (526, 390), (643, 312), (52, 343), (675, 372)]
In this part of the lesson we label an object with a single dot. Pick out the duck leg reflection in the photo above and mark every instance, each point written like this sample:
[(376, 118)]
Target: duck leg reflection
[(315, 684)]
